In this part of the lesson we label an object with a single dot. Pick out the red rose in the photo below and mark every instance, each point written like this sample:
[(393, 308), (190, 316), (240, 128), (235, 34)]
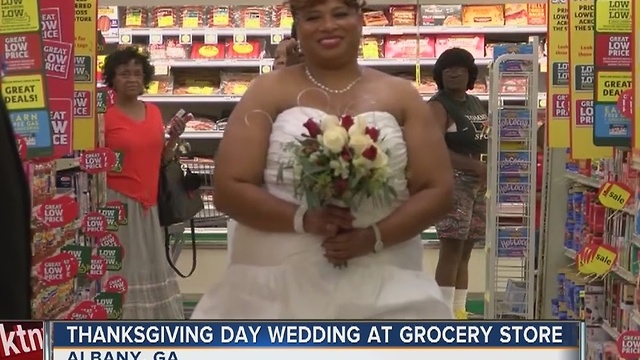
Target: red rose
[(370, 153), (372, 132), (313, 128), (340, 186), (346, 121), (345, 154)]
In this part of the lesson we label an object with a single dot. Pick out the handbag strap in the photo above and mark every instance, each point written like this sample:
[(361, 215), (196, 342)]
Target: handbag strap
[(167, 250)]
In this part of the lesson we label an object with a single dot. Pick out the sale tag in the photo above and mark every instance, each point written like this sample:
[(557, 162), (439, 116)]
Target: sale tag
[(88, 310), (98, 267), (57, 269), (98, 160), (614, 195), (58, 212), (604, 258), (94, 224), (628, 344), (625, 103), (116, 284), (21, 144)]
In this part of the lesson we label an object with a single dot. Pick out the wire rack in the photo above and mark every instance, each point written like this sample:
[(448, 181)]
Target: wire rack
[(510, 246)]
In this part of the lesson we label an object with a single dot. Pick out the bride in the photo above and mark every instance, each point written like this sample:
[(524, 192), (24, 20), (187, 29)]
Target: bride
[(282, 256)]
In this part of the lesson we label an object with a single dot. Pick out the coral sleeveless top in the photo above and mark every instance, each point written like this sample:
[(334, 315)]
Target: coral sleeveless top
[(138, 146)]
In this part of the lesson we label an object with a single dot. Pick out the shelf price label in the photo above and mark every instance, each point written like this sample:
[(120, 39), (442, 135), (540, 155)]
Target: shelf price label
[(210, 38), (161, 70), (614, 195), (155, 38), (125, 37), (239, 38), (185, 37), (266, 67), (276, 38)]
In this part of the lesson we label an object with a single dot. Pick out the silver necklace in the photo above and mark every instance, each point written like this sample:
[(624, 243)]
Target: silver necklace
[(325, 88)]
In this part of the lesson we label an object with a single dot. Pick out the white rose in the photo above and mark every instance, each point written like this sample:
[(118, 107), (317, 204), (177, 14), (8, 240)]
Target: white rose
[(358, 127), (329, 122), (359, 142), (335, 138), (381, 159)]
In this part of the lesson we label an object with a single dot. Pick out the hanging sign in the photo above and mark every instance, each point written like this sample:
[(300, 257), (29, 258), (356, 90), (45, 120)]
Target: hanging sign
[(57, 18), (582, 78), (85, 62), (636, 74), (614, 195), (558, 103), (23, 85), (612, 40), (628, 344)]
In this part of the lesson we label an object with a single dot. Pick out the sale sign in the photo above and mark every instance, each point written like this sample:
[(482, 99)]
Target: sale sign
[(57, 19), (23, 86), (612, 40), (558, 74), (582, 79), (84, 63)]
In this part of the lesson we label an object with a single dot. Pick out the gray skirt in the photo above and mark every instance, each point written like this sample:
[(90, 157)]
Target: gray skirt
[(153, 292)]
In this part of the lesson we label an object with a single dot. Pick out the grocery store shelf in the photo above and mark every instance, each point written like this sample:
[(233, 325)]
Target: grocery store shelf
[(257, 63), (584, 180), (67, 163), (610, 330), (367, 30)]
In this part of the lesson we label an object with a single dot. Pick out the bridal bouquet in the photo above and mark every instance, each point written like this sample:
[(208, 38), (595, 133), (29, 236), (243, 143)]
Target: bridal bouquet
[(339, 162)]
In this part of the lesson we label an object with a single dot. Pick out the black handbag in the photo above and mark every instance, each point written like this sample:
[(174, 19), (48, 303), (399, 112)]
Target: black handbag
[(178, 201)]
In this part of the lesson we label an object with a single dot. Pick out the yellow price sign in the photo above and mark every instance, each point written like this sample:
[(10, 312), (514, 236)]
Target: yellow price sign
[(583, 260), (603, 260), (614, 195)]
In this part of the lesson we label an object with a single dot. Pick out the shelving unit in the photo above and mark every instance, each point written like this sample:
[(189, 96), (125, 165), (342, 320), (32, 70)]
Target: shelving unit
[(218, 103)]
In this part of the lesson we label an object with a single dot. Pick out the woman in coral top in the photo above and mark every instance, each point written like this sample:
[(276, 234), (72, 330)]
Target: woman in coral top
[(134, 130)]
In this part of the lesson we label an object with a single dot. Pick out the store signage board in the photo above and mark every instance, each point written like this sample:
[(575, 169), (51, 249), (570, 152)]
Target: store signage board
[(581, 81), (558, 104), (85, 62), (24, 85), (636, 76), (57, 18), (612, 48)]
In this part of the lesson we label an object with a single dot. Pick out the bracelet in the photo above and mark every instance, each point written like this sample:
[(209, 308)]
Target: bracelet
[(298, 219)]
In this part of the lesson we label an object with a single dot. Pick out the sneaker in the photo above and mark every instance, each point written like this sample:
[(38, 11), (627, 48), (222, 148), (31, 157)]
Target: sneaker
[(461, 315)]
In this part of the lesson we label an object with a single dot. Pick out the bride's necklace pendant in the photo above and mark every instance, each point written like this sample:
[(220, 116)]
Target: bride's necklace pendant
[(325, 88)]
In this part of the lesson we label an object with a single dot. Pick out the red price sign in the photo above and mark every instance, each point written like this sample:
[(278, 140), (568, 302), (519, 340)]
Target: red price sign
[(625, 103), (21, 144)]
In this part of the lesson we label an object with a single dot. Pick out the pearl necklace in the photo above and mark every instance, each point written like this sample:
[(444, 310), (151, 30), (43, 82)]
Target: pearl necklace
[(323, 87)]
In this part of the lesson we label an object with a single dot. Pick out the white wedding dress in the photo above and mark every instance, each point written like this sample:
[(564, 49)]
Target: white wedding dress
[(285, 276)]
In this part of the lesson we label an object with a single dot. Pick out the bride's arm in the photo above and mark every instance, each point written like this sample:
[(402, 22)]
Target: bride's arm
[(430, 175), (240, 162)]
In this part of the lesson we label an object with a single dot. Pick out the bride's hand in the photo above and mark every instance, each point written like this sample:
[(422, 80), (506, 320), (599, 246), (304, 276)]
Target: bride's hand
[(326, 221), (345, 246)]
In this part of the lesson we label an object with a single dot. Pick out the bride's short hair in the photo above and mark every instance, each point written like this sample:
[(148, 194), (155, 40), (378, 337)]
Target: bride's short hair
[(299, 5)]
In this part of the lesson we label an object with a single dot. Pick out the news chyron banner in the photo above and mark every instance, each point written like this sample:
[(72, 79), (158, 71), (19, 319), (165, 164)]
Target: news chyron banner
[(23, 340), (317, 340)]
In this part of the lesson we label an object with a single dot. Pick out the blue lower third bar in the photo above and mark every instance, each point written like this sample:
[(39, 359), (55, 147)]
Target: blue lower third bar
[(424, 334)]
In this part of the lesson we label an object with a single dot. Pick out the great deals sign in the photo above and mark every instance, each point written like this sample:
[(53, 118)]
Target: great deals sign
[(57, 20)]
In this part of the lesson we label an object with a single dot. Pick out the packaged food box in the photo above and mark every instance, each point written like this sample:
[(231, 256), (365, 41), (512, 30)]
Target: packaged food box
[(472, 43), (406, 46), (483, 15), (515, 14), (108, 22), (403, 15), (441, 15), (536, 14)]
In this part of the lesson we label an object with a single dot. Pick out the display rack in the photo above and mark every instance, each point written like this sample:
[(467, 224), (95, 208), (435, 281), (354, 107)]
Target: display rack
[(217, 101), (510, 284)]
